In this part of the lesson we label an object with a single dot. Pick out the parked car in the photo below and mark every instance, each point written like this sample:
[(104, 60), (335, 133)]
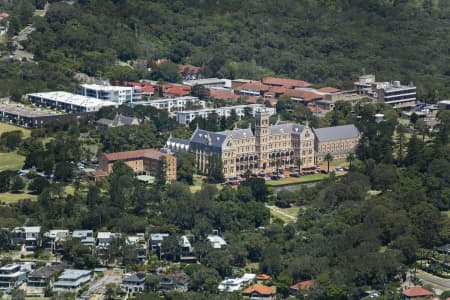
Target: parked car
[(339, 169), (294, 175)]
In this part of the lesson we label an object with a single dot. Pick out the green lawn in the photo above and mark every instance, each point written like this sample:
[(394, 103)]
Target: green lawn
[(299, 180), (198, 182), (11, 161), (447, 213), (5, 127), (10, 197)]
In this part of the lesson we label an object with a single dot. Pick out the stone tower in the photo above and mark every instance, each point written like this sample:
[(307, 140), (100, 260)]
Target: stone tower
[(262, 137)]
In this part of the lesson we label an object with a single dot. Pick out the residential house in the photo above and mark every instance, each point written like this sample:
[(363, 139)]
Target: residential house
[(444, 105), (54, 238), (262, 278), (42, 279), (133, 284), (86, 237), (339, 141), (444, 249), (119, 120), (156, 240), (116, 94), (140, 243), (252, 88), (230, 285), (71, 280), (13, 275), (260, 292), (174, 90), (301, 286), (416, 293), (189, 72), (174, 282), (217, 242), (186, 249), (29, 236), (104, 239)]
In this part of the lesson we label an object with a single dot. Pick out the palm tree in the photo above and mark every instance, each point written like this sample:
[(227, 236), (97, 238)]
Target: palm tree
[(350, 159), (328, 158), (299, 164)]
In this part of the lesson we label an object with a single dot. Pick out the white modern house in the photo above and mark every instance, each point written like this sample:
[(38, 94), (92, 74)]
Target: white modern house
[(116, 94), (104, 239), (217, 242), (13, 275), (71, 280), (86, 237)]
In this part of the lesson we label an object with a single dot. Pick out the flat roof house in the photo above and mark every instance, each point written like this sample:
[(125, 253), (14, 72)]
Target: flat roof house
[(13, 275), (86, 237), (71, 280), (28, 236)]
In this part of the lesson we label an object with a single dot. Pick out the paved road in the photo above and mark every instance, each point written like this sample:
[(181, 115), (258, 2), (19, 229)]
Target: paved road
[(110, 276), (279, 211), (429, 278)]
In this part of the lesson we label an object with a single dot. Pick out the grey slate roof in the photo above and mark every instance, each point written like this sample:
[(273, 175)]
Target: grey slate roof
[(138, 277), (213, 139), (178, 141), (336, 133), (237, 134), (283, 127)]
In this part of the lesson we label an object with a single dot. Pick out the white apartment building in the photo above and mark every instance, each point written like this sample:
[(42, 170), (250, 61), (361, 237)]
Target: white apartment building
[(68, 102), (172, 104), (71, 280), (186, 117), (393, 93), (117, 94)]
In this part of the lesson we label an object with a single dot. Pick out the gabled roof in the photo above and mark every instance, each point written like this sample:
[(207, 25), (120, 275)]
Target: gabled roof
[(261, 289), (222, 94), (283, 127), (444, 248), (336, 133), (210, 138), (138, 277), (302, 285), (189, 69), (417, 291), (255, 86), (143, 153), (285, 82), (262, 277), (238, 133)]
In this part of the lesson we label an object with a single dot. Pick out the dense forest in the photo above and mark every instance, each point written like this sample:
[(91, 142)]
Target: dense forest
[(324, 42)]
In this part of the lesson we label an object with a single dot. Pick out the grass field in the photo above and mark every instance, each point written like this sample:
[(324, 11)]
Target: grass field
[(198, 182), (4, 127), (447, 213), (286, 215), (293, 180), (11, 161), (10, 197)]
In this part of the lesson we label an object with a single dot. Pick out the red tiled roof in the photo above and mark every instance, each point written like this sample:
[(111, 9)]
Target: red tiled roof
[(305, 95), (315, 109), (97, 173), (260, 289), (143, 153), (176, 90), (302, 285), (417, 291), (3, 16), (262, 277), (328, 90), (277, 89), (285, 82), (189, 69), (147, 89), (252, 99), (131, 83), (160, 61), (255, 86), (222, 94)]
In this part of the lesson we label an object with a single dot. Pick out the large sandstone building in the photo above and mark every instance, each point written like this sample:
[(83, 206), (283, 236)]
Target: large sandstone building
[(266, 148)]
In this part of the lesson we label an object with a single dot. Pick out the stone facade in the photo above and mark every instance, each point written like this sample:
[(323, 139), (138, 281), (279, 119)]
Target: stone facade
[(264, 149), (339, 141), (143, 161)]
